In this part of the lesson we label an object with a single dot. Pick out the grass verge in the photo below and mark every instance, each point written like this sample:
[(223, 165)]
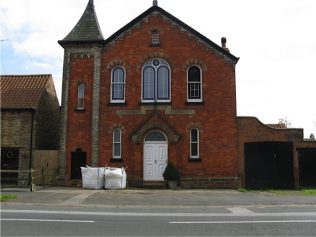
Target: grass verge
[(309, 191), (5, 197), (301, 191)]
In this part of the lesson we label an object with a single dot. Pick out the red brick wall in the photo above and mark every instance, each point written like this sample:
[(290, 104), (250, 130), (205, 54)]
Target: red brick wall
[(216, 119), (250, 129), (79, 122)]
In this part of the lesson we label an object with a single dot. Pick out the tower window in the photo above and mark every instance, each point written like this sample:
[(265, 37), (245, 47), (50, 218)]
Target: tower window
[(81, 89)]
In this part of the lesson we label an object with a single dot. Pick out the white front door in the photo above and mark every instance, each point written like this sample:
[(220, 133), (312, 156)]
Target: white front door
[(155, 160)]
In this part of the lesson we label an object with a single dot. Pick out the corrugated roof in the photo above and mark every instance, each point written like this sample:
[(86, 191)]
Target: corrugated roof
[(87, 29), (22, 91)]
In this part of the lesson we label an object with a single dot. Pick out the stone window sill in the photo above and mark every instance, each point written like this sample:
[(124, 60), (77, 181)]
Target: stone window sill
[(194, 160), (116, 160), (195, 103), (117, 104), (80, 110)]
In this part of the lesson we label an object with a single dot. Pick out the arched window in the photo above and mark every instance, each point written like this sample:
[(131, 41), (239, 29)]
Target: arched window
[(118, 85), (194, 143), (117, 153), (81, 89), (156, 81), (155, 136), (194, 84)]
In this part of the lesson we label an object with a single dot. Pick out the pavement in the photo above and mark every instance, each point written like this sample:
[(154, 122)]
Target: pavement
[(162, 198)]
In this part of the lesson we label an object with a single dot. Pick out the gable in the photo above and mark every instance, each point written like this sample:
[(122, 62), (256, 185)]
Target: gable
[(175, 22)]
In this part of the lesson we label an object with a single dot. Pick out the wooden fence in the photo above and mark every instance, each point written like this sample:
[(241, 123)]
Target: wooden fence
[(45, 166)]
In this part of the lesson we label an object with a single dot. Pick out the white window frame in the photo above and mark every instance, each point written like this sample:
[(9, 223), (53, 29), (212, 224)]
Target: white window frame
[(80, 101), (162, 63), (201, 85), (114, 142), (195, 142), (112, 84)]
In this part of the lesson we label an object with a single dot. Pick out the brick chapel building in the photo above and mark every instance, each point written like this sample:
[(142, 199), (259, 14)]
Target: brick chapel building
[(158, 91), (155, 91)]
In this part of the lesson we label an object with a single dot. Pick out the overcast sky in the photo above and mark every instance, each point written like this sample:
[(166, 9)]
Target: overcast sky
[(275, 40)]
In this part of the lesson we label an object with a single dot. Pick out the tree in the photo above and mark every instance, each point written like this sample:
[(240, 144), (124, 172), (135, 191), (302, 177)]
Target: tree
[(283, 123)]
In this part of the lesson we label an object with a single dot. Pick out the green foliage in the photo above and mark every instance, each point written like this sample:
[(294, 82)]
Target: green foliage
[(5, 197), (309, 191), (284, 123), (171, 173), (243, 190), (285, 192)]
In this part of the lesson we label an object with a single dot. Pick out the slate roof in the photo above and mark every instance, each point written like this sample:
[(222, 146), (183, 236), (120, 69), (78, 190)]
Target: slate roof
[(87, 29), (22, 91)]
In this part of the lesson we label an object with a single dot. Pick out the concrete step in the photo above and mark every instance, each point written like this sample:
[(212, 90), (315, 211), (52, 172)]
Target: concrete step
[(154, 184)]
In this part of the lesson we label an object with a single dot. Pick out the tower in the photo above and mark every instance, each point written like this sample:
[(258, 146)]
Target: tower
[(82, 47)]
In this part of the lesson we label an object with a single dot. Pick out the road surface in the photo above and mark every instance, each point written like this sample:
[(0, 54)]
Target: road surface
[(269, 220)]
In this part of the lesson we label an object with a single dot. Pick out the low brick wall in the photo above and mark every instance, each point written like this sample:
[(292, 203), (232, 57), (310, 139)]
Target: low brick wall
[(210, 182)]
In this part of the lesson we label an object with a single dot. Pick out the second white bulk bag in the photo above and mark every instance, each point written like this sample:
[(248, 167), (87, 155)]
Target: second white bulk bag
[(114, 178)]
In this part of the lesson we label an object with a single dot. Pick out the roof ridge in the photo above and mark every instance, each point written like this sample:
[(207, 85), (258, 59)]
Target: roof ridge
[(24, 75)]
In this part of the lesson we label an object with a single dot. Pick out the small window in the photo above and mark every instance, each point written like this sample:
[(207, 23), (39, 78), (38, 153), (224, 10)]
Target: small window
[(118, 85), (194, 84), (155, 38), (194, 143), (117, 144), (81, 89)]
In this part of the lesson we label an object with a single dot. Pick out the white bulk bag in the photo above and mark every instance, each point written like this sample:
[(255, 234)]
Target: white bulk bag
[(114, 178), (92, 177)]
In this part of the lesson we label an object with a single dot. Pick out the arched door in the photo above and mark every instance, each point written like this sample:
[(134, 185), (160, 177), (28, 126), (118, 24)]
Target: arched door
[(155, 156)]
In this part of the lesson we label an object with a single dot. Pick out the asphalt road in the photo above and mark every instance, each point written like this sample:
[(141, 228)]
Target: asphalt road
[(277, 220)]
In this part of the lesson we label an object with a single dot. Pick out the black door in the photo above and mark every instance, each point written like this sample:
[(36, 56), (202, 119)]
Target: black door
[(307, 164), (78, 159), (269, 165), (9, 161)]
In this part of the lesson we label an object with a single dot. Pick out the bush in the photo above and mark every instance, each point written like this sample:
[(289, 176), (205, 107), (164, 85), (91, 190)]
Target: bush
[(171, 173)]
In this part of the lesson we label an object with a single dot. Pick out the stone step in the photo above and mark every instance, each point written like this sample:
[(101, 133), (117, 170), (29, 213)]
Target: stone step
[(154, 184)]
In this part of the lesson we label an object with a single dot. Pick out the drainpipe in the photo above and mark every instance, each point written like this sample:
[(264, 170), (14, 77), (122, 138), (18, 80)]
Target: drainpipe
[(31, 150)]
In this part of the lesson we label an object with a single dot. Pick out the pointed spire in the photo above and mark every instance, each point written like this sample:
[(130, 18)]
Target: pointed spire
[(155, 2), (87, 29)]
